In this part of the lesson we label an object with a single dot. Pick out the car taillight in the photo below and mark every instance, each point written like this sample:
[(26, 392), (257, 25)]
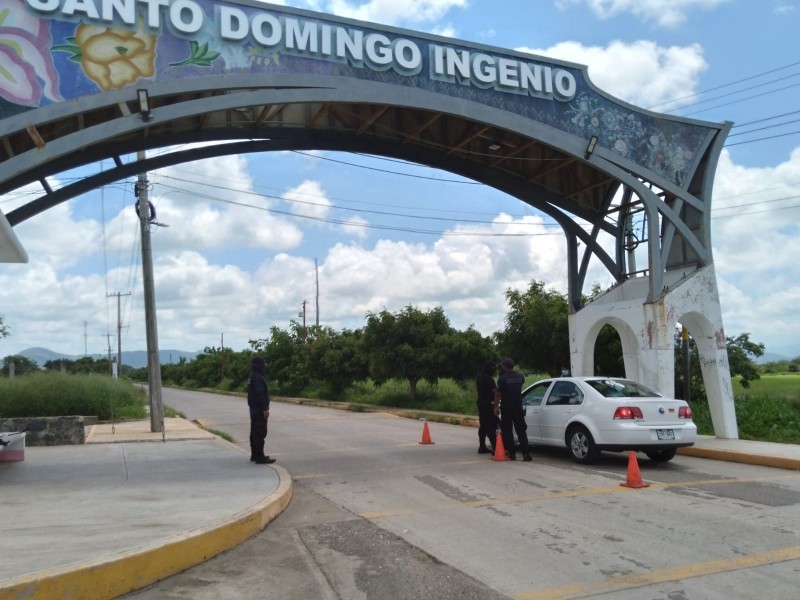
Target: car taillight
[(628, 412), (684, 412)]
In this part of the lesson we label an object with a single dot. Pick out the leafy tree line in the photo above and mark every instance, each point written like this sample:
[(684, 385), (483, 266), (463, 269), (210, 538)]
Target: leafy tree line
[(413, 346), (81, 366)]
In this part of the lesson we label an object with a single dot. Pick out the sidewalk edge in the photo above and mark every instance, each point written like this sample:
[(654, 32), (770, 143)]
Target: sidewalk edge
[(123, 573), (763, 460)]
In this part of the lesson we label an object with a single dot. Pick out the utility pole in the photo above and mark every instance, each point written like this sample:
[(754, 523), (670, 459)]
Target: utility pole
[(153, 361), (85, 340), (119, 331), (110, 363), (303, 314), (316, 281), (222, 356)]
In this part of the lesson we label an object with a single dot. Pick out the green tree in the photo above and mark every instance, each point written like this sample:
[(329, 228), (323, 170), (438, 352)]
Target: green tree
[(407, 345), (3, 329), (740, 349), (741, 352), (536, 333), (22, 365), (336, 359), (608, 353), (285, 355)]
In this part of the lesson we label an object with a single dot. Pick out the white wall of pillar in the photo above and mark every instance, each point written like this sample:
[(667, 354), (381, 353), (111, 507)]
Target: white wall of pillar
[(647, 332)]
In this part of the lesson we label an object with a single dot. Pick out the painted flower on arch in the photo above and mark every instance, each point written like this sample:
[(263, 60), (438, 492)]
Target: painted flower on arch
[(112, 58), (27, 71)]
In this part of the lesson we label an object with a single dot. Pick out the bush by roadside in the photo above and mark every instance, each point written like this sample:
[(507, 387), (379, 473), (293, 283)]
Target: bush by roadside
[(60, 394)]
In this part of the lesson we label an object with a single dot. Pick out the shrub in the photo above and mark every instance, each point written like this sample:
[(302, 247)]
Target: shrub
[(60, 394)]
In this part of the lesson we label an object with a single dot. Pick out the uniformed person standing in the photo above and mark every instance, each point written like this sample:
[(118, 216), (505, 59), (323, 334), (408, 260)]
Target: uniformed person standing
[(487, 421), (509, 398), (258, 403)]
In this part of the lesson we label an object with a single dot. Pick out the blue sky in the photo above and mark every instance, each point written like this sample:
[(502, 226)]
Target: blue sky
[(227, 270)]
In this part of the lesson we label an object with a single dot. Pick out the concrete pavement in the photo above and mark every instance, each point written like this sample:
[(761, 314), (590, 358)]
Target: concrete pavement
[(116, 514)]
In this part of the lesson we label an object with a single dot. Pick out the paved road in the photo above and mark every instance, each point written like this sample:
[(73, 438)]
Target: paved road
[(377, 515)]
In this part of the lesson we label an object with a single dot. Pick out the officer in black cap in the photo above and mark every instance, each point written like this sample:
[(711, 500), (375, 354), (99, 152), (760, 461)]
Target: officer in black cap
[(258, 402), (509, 397)]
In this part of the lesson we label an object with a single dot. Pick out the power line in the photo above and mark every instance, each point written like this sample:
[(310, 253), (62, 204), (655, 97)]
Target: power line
[(719, 87)]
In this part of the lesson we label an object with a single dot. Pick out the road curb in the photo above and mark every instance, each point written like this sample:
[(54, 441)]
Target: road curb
[(779, 462), (126, 572)]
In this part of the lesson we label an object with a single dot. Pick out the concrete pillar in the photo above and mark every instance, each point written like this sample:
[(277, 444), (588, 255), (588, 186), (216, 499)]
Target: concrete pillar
[(647, 333)]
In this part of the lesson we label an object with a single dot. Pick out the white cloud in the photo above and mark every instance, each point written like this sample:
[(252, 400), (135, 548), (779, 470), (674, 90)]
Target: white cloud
[(308, 199), (356, 226), (210, 204), (392, 12), (756, 242), (666, 13), (642, 72)]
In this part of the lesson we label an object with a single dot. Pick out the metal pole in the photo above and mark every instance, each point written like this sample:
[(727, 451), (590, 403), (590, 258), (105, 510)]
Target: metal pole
[(304, 320), (119, 332), (316, 279), (153, 362)]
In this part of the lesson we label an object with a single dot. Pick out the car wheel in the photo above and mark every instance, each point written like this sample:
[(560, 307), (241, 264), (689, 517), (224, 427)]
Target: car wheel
[(661, 456), (582, 446)]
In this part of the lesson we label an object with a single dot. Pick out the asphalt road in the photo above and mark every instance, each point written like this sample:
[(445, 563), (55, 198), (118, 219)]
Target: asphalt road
[(378, 515)]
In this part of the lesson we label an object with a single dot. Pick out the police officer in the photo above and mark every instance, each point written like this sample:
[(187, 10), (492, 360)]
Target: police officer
[(509, 396), (258, 403), (487, 421)]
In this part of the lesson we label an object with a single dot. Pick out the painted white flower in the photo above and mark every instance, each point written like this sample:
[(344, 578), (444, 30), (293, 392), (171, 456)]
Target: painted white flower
[(27, 71)]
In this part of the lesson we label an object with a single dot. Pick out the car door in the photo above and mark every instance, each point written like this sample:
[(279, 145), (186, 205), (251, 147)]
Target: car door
[(532, 402), (562, 402)]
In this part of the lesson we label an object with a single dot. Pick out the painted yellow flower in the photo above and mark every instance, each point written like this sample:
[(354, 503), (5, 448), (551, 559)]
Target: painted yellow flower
[(114, 58)]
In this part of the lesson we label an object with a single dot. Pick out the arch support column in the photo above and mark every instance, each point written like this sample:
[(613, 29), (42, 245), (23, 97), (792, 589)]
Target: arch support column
[(647, 333)]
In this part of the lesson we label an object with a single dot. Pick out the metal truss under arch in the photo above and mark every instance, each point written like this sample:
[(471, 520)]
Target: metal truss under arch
[(588, 194)]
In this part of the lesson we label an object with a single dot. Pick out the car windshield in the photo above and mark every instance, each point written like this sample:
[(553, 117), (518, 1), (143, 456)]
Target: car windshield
[(622, 388)]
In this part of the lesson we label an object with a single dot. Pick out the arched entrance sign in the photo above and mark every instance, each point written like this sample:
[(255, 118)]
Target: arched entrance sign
[(91, 80)]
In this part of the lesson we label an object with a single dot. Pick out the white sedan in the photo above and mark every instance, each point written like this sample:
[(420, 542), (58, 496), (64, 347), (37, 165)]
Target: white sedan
[(591, 414)]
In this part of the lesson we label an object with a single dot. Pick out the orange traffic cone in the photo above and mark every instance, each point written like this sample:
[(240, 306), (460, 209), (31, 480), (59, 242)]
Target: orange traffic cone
[(634, 476), (499, 449), (426, 435)]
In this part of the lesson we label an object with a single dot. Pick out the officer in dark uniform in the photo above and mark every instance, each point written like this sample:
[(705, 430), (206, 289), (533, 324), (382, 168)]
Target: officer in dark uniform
[(487, 421), (509, 397), (258, 402)]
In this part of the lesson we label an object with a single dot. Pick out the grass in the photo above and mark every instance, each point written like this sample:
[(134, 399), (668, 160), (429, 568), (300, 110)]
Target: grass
[(222, 434), (61, 394), (775, 385), (769, 410)]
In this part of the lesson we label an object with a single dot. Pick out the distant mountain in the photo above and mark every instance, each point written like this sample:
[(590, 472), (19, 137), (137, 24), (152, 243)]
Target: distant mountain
[(133, 358), (789, 352)]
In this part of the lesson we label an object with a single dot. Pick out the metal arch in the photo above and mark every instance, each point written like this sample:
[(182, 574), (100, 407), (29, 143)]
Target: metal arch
[(601, 175)]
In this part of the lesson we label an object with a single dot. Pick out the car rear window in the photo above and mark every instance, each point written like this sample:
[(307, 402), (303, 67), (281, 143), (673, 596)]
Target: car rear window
[(622, 388)]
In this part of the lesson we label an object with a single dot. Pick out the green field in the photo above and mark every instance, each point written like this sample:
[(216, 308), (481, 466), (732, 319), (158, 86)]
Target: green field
[(776, 385), (769, 410)]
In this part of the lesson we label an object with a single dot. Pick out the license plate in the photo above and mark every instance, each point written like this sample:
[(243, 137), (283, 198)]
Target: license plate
[(665, 434)]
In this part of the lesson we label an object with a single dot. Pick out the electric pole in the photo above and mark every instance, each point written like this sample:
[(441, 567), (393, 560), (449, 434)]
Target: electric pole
[(119, 331), (110, 363), (303, 314), (316, 281), (153, 361)]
